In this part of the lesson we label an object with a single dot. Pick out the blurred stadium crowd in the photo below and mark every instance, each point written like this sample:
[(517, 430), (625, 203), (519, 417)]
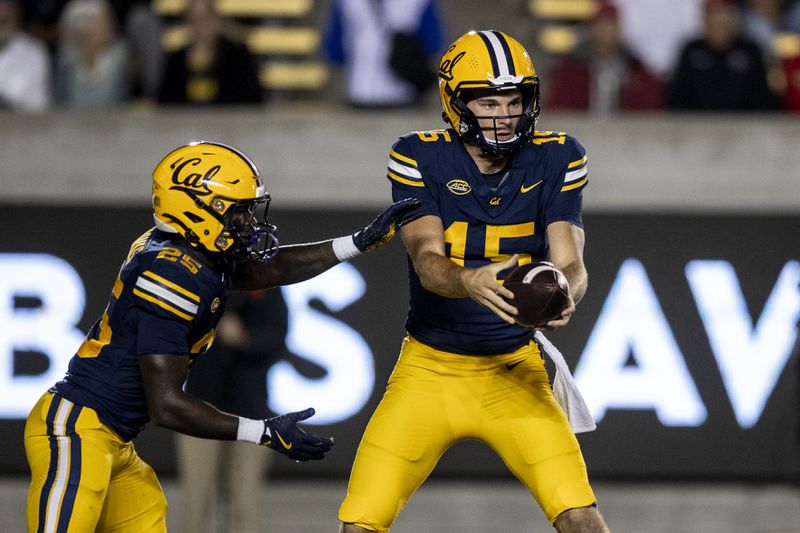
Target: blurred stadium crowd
[(598, 56)]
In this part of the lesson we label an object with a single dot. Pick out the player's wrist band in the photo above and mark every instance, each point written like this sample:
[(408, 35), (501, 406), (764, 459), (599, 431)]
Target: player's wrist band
[(250, 430), (344, 248)]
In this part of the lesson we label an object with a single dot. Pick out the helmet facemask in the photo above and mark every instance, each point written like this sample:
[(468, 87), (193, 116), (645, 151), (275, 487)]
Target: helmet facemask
[(245, 223), (469, 128)]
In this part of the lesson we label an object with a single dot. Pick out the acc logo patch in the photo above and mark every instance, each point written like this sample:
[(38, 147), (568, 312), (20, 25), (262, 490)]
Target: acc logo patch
[(215, 305), (459, 187)]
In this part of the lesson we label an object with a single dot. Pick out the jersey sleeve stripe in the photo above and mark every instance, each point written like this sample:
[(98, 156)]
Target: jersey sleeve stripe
[(402, 158), (574, 185), (576, 174), (163, 305), (403, 170), (166, 295), (170, 285), (405, 181), (579, 162)]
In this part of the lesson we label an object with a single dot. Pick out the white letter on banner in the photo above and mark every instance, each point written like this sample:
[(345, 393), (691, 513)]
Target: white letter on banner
[(750, 359), (48, 328), (632, 323), (330, 343)]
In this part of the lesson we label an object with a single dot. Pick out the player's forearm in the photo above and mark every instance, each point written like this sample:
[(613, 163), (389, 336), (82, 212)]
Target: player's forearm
[(192, 416), (293, 264), (440, 275), (578, 279)]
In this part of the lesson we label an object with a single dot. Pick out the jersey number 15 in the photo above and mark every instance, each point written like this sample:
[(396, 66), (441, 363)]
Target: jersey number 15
[(456, 236)]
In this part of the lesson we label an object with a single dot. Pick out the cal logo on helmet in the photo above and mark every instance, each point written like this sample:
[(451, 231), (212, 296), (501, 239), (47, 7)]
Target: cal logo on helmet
[(184, 176)]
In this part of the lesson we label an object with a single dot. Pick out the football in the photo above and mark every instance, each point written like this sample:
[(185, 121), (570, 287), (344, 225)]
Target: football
[(541, 293)]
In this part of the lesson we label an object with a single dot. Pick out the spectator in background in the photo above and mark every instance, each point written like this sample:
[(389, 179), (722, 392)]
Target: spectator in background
[(791, 71), (212, 68), (762, 20), (722, 70), (92, 60), (143, 30), (24, 64), (602, 76), (655, 30), (220, 476), (41, 19), (363, 37)]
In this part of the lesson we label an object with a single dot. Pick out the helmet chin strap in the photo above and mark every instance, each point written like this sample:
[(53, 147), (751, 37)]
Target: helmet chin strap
[(499, 143), (497, 147)]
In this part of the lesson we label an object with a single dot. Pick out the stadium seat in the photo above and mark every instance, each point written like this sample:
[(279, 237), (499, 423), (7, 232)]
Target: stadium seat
[(260, 40), (243, 8), (284, 41), (786, 45), (557, 39), (562, 9), (559, 22), (294, 76)]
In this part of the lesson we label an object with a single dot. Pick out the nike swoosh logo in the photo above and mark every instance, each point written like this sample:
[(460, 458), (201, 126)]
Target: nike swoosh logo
[(525, 189), (286, 445), (510, 366)]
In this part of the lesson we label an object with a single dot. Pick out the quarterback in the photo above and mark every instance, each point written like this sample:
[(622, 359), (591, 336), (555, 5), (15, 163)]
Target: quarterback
[(211, 236), (495, 193)]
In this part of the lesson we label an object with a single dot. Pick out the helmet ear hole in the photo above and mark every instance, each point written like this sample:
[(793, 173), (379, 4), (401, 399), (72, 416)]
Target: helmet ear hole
[(193, 217)]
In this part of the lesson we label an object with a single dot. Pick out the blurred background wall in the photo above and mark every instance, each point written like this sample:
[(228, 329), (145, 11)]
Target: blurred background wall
[(318, 155)]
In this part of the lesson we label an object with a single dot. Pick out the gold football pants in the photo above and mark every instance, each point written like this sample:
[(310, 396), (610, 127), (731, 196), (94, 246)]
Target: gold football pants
[(84, 477), (435, 399)]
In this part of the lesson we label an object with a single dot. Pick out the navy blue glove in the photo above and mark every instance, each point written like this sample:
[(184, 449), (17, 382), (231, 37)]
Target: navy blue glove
[(284, 436), (382, 229)]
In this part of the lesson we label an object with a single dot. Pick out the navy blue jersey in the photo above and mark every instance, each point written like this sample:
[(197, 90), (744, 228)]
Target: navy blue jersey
[(542, 184), (165, 300)]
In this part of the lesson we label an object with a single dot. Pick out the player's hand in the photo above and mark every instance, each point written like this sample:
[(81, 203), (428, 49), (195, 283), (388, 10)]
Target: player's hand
[(382, 229), (283, 434), (561, 321), (482, 286)]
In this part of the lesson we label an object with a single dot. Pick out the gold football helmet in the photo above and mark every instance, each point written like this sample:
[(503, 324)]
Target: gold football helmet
[(213, 196), (487, 60)]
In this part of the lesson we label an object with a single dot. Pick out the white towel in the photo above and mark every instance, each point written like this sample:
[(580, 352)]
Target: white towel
[(566, 390)]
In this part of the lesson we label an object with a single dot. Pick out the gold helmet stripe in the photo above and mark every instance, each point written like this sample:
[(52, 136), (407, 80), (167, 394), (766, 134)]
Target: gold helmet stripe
[(499, 52), (235, 151)]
